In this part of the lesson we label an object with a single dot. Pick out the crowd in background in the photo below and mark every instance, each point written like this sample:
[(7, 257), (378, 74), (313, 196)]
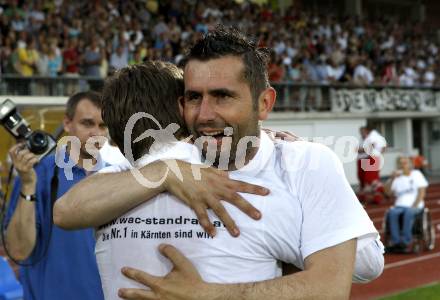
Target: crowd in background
[(92, 38)]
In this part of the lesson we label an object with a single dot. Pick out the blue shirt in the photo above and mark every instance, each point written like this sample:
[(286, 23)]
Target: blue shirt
[(68, 269)]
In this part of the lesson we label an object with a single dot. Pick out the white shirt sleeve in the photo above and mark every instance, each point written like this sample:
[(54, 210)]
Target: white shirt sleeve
[(331, 211), (419, 179), (394, 184), (369, 263)]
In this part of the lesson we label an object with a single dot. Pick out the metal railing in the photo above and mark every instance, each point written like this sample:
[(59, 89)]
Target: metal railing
[(291, 96), (12, 84), (304, 97)]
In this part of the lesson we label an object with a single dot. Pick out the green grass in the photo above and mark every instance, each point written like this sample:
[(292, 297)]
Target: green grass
[(430, 292)]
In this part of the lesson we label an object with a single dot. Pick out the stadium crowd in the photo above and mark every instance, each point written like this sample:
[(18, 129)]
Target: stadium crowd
[(92, 38)]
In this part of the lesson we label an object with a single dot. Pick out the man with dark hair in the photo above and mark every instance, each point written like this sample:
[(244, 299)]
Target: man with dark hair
[(299, 224), (57, 264)]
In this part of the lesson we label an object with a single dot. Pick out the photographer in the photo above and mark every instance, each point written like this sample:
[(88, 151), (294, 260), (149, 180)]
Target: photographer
[(57, 264)]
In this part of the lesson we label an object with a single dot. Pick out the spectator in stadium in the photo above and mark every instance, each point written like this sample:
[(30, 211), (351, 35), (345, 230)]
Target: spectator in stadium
[(59, 264), (137, 57), (41, 87), (335, 70), (409, 187), (409, 75), (162, 21), (119, 59), (92, 59), (350, 66), (27, 58), (389, 75), (310, 98), (419, 162), (104, 68), (219, 87), (42, 64), (71, 58), (54, 62), (362, 73), (429, 76), (295, 71), (369, 164)]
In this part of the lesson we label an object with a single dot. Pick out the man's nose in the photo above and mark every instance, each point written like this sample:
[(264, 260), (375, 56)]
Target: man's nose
[(207, 110), (97, 131)]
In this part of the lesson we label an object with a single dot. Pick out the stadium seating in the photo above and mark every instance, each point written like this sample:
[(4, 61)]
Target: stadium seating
[(307, 46)]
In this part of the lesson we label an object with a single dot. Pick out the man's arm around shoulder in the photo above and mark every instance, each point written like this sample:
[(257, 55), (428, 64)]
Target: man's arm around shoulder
[(327, 275)]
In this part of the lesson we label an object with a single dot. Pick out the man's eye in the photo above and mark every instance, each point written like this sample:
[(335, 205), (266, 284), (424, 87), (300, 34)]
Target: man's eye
[(87, 123), (193, 97)]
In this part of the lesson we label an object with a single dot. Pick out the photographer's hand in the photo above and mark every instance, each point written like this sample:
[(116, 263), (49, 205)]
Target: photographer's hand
[(24, 162), (21, 232), (182, 283)]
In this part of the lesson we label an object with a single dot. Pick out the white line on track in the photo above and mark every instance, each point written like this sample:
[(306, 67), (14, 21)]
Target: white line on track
[(434, 210), (411, 260), (384, 208), (436, 224)]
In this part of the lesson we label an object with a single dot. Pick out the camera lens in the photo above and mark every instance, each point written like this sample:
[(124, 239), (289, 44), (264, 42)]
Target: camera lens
[(37, 142)]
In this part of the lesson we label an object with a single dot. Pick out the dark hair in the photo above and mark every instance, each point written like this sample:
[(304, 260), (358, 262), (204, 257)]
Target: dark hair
[(368, 127), (153, 87), (73, 101), (224, 41)]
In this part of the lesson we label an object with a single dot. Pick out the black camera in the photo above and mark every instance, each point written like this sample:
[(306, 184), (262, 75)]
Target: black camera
[(38, 142)]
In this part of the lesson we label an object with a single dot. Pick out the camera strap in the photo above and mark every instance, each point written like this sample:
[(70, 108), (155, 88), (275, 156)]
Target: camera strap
[(53, 189), (53, 198)]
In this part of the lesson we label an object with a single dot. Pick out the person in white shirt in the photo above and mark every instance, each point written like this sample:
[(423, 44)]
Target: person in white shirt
[(429, 76), (409, 187), (363, 73), (322, 243), (373, 144), (119, 58)]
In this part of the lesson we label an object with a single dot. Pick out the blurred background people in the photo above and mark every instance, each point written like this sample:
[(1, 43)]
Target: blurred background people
[(369, 163)]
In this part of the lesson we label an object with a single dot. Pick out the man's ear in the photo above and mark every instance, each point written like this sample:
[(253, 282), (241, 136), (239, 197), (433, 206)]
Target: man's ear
[(181, 101), (266, 102), (67, 124)]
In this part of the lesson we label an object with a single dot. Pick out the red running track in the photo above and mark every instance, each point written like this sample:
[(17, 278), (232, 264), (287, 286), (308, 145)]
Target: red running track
[(404, 271)]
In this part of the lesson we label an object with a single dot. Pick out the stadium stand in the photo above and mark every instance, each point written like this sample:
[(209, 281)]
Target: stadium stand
[(92, 37)]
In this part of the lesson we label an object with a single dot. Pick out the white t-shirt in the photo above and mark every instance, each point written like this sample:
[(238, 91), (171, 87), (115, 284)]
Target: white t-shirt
[(112, 155), (311, 207), (335, 72), (363, 73), (373, 144), (406, 188)]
